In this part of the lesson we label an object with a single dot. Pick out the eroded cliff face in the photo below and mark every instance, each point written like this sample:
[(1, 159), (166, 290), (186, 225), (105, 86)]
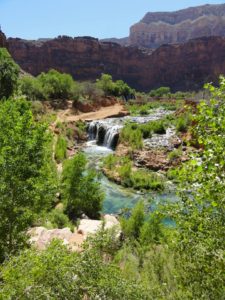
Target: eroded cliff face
[(84, 58), (2, 39), (156, 29), (184, 66)]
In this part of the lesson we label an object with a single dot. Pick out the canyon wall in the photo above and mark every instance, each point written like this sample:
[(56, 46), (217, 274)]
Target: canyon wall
[(2, 39), (184, 66), (159, 28)]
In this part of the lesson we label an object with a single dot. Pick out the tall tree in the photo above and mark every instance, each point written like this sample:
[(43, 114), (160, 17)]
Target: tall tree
[(81, 191), (26, 181), (9, 72), (200, 214)]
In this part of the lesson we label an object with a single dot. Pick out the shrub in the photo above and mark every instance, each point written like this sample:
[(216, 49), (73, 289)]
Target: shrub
[(132, 136), (37, 108), (118, 88), (125, 173), (141, 179), (110, 161), (175, 154), (90, 90), (58, 219), (132, 226), (182, 123), (162, 91), (60, 149), (32, 88), (56, 85)]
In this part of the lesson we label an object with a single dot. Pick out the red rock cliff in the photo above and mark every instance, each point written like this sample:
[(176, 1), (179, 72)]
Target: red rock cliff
[(181, 66), (2, 39)]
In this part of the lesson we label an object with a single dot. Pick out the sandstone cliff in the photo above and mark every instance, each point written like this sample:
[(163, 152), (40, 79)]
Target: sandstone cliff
[(160, 28), (184, 66)]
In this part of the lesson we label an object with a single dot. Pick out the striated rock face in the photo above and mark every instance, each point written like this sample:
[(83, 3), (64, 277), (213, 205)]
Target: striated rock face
[(180, 66), (84, 58), (159, 28)]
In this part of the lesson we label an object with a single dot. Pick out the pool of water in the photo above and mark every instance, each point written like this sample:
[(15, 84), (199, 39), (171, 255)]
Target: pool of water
[(118, 198)]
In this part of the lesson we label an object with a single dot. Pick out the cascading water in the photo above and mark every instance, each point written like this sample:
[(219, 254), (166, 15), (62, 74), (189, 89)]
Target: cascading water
[(106, 132), (103, 138)]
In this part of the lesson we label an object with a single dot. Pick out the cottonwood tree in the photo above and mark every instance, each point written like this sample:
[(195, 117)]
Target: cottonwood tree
[(27, 180), (9, 72)]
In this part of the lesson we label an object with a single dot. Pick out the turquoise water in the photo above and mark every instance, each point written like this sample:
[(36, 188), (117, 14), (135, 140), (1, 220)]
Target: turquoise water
[(117, 197)]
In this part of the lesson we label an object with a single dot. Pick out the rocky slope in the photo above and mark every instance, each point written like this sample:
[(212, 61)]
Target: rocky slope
[(184, 66), (160, 28)]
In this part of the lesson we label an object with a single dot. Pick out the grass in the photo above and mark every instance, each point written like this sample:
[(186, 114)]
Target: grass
[(138, 179), (175, 154), (145, 109), (131, 135)]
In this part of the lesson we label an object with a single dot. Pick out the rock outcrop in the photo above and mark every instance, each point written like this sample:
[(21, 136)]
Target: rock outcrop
[(184, 66), (159, 28), (41, 237)]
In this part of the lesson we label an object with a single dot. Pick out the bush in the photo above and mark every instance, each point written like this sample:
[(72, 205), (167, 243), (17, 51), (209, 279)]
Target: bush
[(32, 88), (58, 219), (56, 85), (132, 136), (132, 226), (183, 122), (110, 161), (175, 154), (117, 89), (9, 74), (90, 90), (60, 149), (142, 179), (158, 127), (57, 273), (162, 91)]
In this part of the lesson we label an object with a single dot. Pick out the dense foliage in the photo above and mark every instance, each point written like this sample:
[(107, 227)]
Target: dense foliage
[(117, 88), (26, 181), (51, 85), (122, 169), (59, 274), (81, 191), (200, 215), (9, 72)]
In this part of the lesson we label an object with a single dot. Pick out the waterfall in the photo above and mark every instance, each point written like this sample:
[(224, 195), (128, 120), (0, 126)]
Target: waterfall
[(105, 133)]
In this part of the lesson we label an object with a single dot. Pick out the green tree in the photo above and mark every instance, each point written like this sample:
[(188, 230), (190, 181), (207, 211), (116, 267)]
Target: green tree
[(32, 88), (56, 85), (9, 72), (105, 83), (81, 191), (132, 226), (27, 180), (200, 215), (160, 92)]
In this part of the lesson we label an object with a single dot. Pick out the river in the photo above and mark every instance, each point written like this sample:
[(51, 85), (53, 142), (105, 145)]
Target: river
[(103, 135)]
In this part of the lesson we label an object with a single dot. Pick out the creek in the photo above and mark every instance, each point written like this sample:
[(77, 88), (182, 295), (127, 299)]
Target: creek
[(103, 138)]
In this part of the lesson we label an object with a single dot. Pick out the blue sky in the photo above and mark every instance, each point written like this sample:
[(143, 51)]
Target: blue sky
[(33, 19)]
